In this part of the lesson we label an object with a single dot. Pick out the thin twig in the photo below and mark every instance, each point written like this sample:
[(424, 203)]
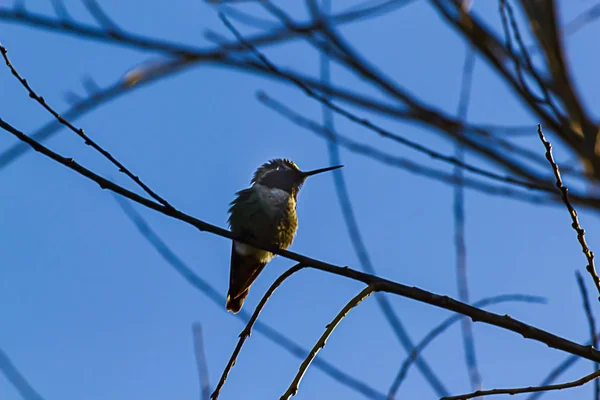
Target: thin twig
[(448, 303), (564, 192), (245, 334), (592, 325), (293, 388), (79, 131), (566, 385), (218, 300), (200, 354), (443, 326)]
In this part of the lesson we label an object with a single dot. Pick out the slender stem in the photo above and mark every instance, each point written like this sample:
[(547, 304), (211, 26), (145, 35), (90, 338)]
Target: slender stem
[(293, 388), (564, 192)]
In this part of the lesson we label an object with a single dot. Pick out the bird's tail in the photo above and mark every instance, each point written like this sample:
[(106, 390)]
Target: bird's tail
[(235, 305), (244, 270)]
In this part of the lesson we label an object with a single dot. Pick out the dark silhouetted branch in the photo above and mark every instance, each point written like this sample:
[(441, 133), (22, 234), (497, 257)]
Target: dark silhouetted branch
[(245, 334), (293, 388)]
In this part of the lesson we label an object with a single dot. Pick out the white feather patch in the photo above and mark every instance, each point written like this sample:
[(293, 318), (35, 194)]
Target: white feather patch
[(246, 250)]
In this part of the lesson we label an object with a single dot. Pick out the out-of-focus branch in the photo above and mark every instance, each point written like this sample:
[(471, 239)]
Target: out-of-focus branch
[(218, 300), (245, 334), (585, 18), (293, 388), (564, 192), (17, 379), (459, 224), (200, 354), (567, 385), (447, 323), (102, 17), (592, 325)]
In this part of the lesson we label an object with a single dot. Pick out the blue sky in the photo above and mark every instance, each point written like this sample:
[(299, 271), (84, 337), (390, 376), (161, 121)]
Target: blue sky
[(91, 311)]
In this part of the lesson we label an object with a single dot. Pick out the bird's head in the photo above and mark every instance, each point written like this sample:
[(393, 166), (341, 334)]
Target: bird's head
[(284, 174)]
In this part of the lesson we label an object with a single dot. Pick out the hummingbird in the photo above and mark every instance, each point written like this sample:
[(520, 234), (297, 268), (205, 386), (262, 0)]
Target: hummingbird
[(265, 212)]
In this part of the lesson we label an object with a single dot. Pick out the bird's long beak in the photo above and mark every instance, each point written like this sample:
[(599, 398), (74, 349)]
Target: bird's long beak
[(318, 171)]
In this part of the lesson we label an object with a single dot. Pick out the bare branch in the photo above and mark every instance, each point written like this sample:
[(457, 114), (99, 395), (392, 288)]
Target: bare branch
[(591, 268), (293, 388), (567, 385), (245, 334)]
